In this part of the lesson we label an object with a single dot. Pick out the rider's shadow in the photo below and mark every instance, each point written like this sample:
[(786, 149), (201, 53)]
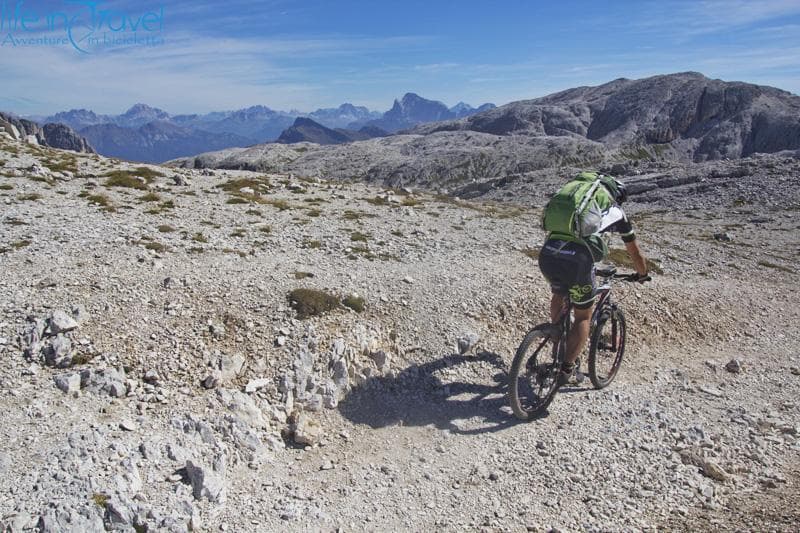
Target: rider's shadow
[(416, 396)]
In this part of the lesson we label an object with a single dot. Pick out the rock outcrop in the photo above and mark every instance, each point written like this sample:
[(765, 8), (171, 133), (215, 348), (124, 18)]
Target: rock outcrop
[(51, 135)]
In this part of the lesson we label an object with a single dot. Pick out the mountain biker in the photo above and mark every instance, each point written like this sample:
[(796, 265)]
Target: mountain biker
[(568, 262)]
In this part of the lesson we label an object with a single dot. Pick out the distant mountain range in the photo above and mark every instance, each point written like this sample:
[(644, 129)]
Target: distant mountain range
[(144, 133), (679, 117)]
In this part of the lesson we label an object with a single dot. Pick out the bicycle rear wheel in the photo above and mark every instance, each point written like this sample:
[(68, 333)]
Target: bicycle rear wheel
[(607, 347), (533, 378)]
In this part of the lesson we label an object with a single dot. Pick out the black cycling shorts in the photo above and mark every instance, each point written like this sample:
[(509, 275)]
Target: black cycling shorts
[(569, 268)]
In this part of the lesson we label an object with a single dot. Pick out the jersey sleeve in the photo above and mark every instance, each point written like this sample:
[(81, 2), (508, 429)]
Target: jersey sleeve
[(620, 224)]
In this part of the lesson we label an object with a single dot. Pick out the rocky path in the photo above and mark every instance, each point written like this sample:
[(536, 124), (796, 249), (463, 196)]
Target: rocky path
[(158, 376)]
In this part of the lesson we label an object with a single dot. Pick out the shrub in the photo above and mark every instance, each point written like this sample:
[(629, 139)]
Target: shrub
[(312, 302)]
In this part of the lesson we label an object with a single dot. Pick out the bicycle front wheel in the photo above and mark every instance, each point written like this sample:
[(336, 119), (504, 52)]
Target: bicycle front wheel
[(533, 378), (606, 347)]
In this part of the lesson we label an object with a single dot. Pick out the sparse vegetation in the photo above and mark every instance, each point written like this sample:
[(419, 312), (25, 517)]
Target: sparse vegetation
[(155, 246), (238, 232), (533, 253), (254, 212), (303, 275), (6, 187), (356, 215), (357, 236), (199, 237), (265, 229), (313, 213), (150, 197), (232, 251), (312, 244), (81, 359), (100, 200), (312, 302), (378, 200), (127, 179), (775, 266), (620, 257), (166, 228), (236, 200), (356, 303), (101, 500), (31, 197)]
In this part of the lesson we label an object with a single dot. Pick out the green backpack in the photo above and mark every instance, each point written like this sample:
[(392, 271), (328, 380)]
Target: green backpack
[(577, 208)]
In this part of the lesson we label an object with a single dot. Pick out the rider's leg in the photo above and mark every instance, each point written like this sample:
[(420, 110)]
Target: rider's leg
[(557, 303), (578, 335)]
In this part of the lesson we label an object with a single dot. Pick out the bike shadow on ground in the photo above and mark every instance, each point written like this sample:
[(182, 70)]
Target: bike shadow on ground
[(416, 396)]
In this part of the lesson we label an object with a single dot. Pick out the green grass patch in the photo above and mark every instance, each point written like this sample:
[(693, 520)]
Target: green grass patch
[(150, 197), (100, 200), (131, 178), (312, 302), (281, 205), (67, 164)]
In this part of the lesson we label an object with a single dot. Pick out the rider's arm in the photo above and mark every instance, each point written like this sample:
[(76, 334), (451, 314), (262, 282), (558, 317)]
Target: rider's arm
[(636, 256), (624, 227)]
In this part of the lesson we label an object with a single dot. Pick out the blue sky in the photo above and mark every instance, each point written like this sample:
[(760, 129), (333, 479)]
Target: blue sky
[(314, 53)]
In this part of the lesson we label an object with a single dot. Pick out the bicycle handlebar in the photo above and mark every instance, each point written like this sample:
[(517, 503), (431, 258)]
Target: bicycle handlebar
[(609, 273), (633, 277)]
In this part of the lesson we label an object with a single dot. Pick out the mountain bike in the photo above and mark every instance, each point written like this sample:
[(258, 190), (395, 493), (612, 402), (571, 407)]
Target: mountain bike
[(533, 378)]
